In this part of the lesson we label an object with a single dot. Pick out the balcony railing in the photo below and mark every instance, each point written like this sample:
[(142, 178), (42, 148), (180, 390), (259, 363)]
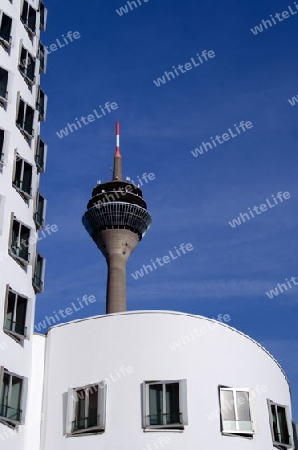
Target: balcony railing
[(28, 74), (37, 283), (29, 25), (20, 252), (22, 186), (3, 94), (173, 418), (5, 37), (15, 327), (84, 423), (27, 129), (9, 413)]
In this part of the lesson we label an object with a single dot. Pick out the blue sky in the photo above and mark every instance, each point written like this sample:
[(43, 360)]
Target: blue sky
[(191, 199)]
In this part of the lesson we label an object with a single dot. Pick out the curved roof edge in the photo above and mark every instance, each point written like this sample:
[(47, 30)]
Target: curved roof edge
[(178, 313)]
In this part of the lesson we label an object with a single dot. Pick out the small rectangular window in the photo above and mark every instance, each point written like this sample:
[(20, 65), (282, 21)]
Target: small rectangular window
[(23, 177), (19, 246), (25, 119), (39, 271), (41, 104), (280, 425), (3, 85), (1, 146), (5, 30), (43, 16), (165, 404), (10, 397), (39, 215), (27, 66), (235, 411), (41, 155), (28, 18), (15, 314), (86, 409), (42, 56)]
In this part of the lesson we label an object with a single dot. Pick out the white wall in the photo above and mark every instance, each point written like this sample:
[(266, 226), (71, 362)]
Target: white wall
[(90, 350), (17, 357)]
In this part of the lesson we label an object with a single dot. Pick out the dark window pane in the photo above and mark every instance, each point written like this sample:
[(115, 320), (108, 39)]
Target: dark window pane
[(93, 401), (172, 403), (283, 426), (5, 28), (155, 404)]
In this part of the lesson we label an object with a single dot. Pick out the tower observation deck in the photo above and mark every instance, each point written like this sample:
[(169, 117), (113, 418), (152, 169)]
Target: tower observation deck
[(116, 219)]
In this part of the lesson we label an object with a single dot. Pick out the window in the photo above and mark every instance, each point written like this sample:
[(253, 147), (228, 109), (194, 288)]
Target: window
[(38, 279), (41, 104), (41, 155), (235, 411), (25, 119), (42, 56), (43, 16), (27, 66), (3, 85), (279, 422), (23, 177), (86, 409), (20, 241), (5, 29), (164, 404), (10, 397), (1, 147), (15, 314), (28, 18), (40, 213)]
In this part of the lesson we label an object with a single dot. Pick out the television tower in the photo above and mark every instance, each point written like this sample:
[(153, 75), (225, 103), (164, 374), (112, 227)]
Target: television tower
[(116, 219)]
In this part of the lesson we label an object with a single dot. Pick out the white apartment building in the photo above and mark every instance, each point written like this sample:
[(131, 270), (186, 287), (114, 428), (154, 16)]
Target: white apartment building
[(22, 213)]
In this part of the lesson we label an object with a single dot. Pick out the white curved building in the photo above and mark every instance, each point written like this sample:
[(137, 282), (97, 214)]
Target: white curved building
[(154, 379), (22, 214)]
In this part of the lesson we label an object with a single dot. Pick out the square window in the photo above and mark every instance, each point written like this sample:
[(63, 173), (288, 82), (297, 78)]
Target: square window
[(235, 411), (165, 404), (86, 409)]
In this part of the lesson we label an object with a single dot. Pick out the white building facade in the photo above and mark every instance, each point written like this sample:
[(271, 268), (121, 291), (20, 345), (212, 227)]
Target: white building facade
[(161, 379), (22, 214)]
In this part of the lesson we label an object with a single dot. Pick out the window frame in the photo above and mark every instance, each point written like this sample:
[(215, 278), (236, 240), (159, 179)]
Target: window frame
[(2, 147), (39, 287), (72, 399), (8, 331), (26, 22), (42, 109), (42, 25), (41, 167), (24, 63), (42, 52), (15, 182), (182, 405), (3, 98), (18, 247), (21, 126), (245, 433), (275, 443), (3, 418), (5, 43), (40, 222)]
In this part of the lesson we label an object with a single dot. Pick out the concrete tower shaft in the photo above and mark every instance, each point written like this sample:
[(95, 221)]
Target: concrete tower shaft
[(116, 219), (116, 246)]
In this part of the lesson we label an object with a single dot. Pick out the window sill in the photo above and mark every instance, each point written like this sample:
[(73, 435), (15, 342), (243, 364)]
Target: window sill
[(15, 336), (238, 434), (18, 259), (88, 431), (164, 428)]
